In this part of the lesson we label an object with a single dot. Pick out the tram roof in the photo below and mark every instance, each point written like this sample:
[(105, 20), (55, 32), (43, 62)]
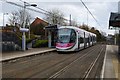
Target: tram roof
[(76, 28)]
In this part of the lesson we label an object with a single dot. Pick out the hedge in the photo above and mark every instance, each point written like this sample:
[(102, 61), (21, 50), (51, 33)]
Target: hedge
[(40, 43)]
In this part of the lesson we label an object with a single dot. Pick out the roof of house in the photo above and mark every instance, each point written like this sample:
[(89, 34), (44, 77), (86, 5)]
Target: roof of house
[(38, 21)]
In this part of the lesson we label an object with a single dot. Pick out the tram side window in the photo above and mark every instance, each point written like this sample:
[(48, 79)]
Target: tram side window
[(81, 40), (90, 38), (86, 40), (93, 38), (73, 36)]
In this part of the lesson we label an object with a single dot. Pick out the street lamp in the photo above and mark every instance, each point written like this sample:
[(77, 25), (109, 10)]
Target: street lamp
[(24, 23), (3, 17)]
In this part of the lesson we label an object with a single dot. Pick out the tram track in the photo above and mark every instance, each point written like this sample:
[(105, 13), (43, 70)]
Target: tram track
[(51, 66), (91, 66), (67, 66), (28, 59), (63, 69), (24, 65), (67, 61), (32, 67)]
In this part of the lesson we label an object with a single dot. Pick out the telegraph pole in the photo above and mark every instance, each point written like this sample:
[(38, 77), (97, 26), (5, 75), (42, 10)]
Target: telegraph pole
[(70, 20), (119, 43), (115, 41), (119, 30), (87, 18)]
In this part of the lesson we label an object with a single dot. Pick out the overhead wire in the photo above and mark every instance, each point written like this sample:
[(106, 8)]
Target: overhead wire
[(12, 3), (48, 12), (90, 12)]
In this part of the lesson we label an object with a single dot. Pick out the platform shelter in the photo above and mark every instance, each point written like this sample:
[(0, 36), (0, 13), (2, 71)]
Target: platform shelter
[(52, 35), (114, 23)]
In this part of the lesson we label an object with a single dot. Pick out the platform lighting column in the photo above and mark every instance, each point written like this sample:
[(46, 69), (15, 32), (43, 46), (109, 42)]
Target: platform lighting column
[(24, 24)]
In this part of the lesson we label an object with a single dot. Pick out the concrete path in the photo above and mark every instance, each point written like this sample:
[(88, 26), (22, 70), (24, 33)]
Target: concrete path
[(111, 63)]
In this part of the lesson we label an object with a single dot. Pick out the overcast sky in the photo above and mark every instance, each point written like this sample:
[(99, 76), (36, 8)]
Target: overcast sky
[(100, 9)]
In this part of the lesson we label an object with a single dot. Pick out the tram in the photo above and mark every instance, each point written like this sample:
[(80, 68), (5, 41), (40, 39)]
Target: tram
[(71, 38)]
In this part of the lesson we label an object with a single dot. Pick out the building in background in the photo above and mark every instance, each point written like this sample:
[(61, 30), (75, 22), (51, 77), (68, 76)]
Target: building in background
[(37, 28)]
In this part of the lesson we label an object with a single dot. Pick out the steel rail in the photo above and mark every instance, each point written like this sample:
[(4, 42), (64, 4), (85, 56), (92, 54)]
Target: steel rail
[(65, 60), (63, 69), (92, 65)]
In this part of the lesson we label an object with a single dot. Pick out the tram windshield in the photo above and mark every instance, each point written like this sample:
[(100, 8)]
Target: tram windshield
[(66, 35)]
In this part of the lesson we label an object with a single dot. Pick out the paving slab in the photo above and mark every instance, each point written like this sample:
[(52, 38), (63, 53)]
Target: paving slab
[(111, 63)]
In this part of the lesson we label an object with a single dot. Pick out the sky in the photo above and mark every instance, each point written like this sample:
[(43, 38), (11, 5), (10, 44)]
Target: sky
[(100, 9)]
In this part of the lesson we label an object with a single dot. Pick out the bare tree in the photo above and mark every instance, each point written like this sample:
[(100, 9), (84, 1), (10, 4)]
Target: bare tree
[(13, 18), (55, 16), (74, 23), (18, 17), (21, 17)]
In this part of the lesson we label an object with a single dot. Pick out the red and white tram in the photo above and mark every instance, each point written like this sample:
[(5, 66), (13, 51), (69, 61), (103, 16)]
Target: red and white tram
[(71, 38)]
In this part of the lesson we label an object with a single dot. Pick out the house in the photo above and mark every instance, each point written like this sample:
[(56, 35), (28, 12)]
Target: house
[(41, 28), (38, 21), (37, 28)]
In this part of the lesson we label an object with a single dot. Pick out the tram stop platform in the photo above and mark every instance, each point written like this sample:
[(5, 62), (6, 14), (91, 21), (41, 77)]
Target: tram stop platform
[(111, 65), (18, 54)]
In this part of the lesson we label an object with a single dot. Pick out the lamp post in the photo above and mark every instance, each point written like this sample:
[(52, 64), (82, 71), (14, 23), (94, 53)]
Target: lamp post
[(24, 23), (3, 17)]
